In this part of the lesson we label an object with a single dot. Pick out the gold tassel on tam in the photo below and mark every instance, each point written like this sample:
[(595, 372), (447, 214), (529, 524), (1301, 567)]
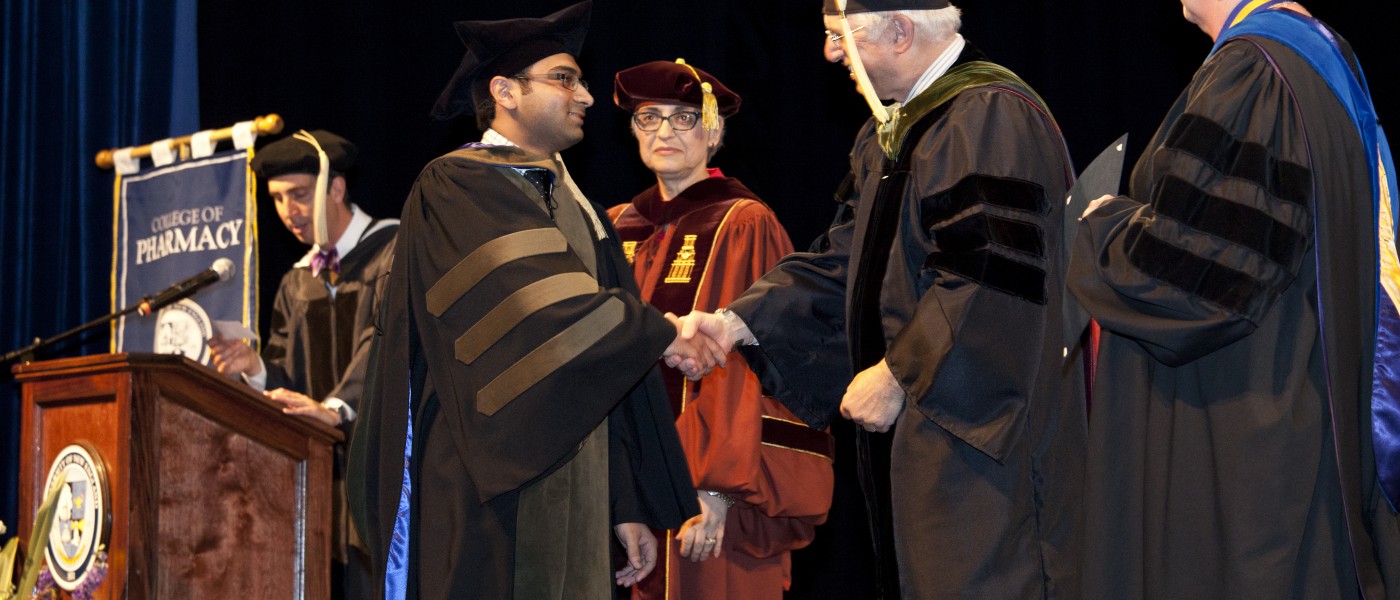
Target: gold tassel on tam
[(709, 107)]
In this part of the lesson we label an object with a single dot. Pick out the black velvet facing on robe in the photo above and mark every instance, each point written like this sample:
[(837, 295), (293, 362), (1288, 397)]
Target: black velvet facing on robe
[(1231, 289), (1244, 225), (980, 230), (994, 271), (965, 246), (1204, 139), (985, 189), (1241, 292), (867, 336)]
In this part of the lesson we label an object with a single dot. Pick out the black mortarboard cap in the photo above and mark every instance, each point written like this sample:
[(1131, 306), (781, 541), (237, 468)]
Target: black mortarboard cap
[(860, 6), (505, 48), (291, 155)]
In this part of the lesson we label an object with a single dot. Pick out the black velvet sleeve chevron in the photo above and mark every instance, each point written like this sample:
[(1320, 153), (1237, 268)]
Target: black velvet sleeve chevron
[(1224, 220), (1000, 251), (1241, 194), (978, 301)]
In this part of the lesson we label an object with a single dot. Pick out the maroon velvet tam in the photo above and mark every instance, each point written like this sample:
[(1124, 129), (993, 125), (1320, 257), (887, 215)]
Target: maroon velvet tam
[(670, 83)]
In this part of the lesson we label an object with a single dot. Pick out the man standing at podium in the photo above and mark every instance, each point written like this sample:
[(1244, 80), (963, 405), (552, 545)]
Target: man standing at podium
[(318, 347)]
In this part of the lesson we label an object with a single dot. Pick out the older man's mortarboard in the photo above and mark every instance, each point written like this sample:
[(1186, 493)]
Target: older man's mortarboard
[(860, 6), (674, 83), (505, 48), (294, 155)]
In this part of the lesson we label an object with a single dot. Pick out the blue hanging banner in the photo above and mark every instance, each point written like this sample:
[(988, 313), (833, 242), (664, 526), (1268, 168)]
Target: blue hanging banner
[(171, 223)]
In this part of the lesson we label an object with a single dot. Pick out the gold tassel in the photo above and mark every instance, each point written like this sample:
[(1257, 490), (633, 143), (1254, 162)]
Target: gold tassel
[(709, 106), (709, 109)]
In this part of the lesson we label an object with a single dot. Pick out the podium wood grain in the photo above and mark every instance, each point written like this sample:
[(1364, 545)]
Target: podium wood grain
[(214, 493)]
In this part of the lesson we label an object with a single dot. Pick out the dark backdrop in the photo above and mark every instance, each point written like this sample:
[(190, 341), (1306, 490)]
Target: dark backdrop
[(371, 69)]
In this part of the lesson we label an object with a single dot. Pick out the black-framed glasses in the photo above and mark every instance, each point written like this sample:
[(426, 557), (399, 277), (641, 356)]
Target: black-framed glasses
[(569, 81), (836, 37), (682, 120)]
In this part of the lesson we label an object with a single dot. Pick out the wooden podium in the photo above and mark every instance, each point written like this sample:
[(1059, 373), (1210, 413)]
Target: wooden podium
[(214, 493)]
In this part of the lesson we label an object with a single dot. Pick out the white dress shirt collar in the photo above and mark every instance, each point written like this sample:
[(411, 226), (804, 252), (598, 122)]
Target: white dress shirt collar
[(939, 66)]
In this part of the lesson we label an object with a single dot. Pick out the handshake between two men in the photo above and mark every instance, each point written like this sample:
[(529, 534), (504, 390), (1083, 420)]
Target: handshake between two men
[(873, 400)]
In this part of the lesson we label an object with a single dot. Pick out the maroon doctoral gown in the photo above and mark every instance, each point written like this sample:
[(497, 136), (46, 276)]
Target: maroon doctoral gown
[(698, 251)]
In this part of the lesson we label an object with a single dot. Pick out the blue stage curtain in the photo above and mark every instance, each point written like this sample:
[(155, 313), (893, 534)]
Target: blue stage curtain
[(79, 76)]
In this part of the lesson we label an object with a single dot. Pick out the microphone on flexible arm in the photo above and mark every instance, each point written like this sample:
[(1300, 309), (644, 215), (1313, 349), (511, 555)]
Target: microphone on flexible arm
[(221, 270)]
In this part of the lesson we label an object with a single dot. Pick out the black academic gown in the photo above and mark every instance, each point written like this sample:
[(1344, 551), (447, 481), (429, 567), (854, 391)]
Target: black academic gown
[(319, 345), (985, 464), (501, 407), (1219, 465)]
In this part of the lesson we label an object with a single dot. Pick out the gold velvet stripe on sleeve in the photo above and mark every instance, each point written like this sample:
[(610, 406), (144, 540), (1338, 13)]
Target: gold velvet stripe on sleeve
[(519, 306), (551, 355), (491, 255)]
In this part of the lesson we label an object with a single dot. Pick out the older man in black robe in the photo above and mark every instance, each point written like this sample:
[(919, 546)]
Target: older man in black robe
[(939, 288)]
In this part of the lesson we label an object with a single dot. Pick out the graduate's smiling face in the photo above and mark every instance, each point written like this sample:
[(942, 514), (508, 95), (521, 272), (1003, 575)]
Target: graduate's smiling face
[(679, 146), (548, 115)]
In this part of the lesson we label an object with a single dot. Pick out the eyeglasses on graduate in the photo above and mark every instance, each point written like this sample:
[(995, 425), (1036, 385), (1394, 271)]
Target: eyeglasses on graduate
[(569, 81)]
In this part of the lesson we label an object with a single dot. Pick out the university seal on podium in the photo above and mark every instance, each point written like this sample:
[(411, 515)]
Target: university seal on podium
[(182, 328), (81, 516)]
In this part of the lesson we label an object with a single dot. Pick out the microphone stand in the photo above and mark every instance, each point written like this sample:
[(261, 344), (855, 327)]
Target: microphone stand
[(145, 307)]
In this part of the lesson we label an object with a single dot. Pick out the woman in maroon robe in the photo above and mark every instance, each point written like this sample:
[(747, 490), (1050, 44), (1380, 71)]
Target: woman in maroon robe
[(696, 240)]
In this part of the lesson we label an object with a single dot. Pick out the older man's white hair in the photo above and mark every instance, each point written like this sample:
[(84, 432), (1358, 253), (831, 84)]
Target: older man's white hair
[(939, 24)]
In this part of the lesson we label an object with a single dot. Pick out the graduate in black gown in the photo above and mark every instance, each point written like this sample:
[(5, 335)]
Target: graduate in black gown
[(517, 431), (940, 290), (1231, 446), (317, 349)]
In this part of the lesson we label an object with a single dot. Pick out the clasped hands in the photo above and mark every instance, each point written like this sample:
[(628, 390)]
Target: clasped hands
[(703, 340), (693, 355), (873, 400)]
